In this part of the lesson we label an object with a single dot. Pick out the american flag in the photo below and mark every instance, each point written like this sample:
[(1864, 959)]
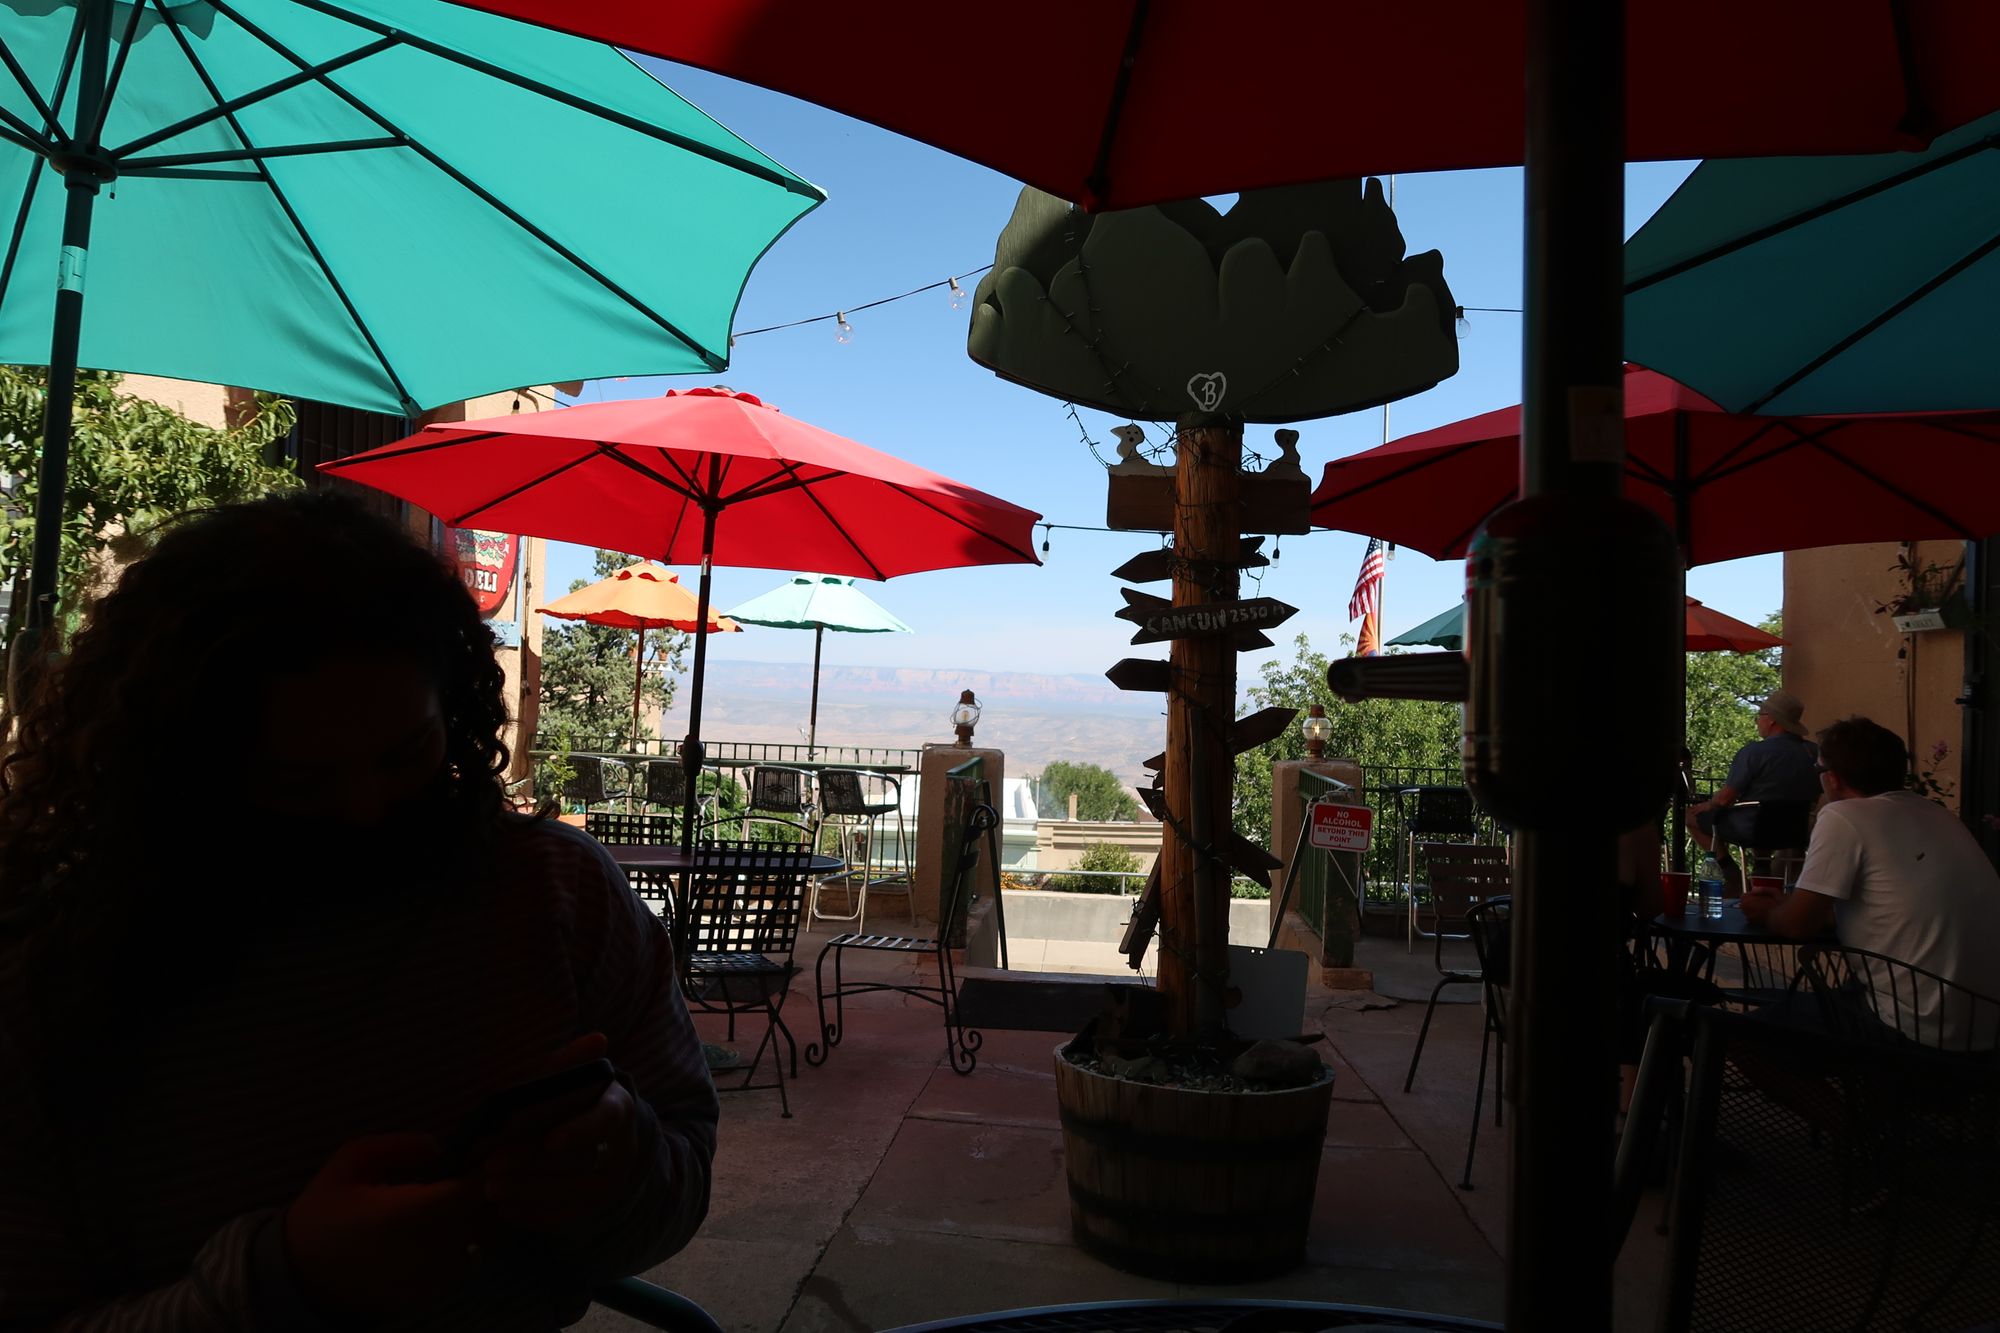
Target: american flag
[(1366, 599)]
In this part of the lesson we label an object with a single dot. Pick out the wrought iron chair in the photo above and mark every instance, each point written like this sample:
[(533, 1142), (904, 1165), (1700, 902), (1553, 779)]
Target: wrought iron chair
[(781, 805), (654, 1306), (1428, 814), (620, 828), (846, 806), (1871, 1164), (744, 902), (1872, 998), (1215, 1315), (585, 784), (1463, 875), (1774, 831), (961, 1043), (1490, 925)]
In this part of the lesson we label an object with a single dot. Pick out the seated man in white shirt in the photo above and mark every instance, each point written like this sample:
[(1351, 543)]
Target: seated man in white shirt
[(1896, 874)]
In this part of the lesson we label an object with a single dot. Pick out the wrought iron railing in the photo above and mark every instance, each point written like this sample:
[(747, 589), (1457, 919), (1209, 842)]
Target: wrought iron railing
[(1325, 886), (739, 754)]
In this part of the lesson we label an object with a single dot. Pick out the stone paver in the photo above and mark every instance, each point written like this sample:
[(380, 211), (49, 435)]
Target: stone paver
[(901, 1191)]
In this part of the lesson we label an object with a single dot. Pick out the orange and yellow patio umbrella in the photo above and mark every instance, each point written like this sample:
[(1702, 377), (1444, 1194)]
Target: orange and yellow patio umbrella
[(639, 597)]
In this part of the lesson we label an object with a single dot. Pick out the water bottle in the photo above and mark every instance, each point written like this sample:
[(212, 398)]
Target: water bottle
[(1710, 884)]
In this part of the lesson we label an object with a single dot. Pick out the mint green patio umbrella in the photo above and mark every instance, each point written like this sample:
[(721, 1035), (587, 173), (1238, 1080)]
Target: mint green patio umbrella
[(384, 204), (1815, 285), (819, 602)]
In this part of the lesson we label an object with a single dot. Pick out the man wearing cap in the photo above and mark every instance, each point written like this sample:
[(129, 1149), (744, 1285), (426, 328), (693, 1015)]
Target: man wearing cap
[(1781, 766)]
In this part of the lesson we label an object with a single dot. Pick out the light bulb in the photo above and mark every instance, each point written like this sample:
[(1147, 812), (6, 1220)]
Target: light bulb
[(1461, 324), (957, 295), (845, 333)]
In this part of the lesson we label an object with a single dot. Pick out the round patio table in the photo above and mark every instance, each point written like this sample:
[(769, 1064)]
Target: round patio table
[(1756, 945), (672, 859)]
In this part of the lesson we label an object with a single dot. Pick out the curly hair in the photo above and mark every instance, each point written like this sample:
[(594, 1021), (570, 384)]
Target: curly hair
[(158, 695)]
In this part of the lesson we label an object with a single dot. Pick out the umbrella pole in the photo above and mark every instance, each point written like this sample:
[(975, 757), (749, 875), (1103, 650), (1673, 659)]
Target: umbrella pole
[(82, 174), (812, 720), (638, 688), (691, 756)]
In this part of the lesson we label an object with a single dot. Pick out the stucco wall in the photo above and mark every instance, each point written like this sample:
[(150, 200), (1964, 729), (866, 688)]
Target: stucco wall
[(1844, 659)]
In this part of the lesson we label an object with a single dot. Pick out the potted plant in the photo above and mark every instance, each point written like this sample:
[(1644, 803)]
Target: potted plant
[(1192, 1152), (1932, 595)]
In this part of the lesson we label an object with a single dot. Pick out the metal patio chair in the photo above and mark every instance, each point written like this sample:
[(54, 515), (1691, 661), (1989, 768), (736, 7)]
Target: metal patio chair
[(855, 813), (745, 898), (1463, 875), (1428, 815), (961, 1043)]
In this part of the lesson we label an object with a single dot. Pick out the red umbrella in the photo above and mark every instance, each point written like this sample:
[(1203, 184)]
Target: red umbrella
[(698, 476), (1729, 485), (1139, 102), (1709, 631)]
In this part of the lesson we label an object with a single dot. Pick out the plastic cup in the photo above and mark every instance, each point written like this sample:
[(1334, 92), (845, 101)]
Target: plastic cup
[(1674, 891), (1772, 884)]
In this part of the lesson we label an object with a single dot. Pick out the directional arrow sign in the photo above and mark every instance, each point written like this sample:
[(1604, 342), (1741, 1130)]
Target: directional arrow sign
[(1140, 605), (1153, 566), (1145, 919), (1247, 733), (1142, 674), (1186, 622), (1251, 859), (1157, 763), (1156, 801)]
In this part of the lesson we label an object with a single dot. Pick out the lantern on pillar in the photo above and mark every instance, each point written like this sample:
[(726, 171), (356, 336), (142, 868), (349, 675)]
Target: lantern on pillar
[(964, 717), (1318, 729)]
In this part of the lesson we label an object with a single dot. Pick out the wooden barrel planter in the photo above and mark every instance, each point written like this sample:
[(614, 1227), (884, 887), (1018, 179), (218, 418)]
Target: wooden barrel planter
[(1188, 1185)]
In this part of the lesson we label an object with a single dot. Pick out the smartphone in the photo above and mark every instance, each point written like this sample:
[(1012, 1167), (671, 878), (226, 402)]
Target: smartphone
[(577, 1087)]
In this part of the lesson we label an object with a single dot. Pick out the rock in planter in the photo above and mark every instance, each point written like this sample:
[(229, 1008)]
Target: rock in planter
[(1191, 1185)]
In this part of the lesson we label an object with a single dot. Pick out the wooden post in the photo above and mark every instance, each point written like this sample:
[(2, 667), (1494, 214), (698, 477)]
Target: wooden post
[(1206, 517)]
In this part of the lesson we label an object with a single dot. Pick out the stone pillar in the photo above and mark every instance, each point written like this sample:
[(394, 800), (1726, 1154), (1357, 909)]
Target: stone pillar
[(1286, 817), (927, 882)]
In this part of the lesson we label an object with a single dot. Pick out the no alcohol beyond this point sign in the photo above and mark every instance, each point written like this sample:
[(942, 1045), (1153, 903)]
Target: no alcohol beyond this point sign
[(1341, 828)]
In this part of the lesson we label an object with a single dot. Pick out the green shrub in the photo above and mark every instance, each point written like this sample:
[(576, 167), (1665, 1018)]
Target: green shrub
[(1101, 857)]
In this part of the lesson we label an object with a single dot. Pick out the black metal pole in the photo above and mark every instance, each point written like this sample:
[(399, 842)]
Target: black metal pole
[(691, 754), (812, 721), (83, 172), (1564, 1083)]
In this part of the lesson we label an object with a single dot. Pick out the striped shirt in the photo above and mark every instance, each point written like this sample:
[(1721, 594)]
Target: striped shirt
[(354, 1014)]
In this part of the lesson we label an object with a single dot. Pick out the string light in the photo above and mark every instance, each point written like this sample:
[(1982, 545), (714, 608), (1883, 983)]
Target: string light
[(846, 334), (837, 315), (958, 297)]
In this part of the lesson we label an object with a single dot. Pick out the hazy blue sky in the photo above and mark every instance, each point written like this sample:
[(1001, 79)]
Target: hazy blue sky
[(899, 215)]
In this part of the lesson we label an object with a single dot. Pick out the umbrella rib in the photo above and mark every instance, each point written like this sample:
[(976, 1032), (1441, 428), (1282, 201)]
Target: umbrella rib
[(20, 225), (96, 131), (688, 488), (513, 491), (1978, 253), (1812, 214), (988, 537), (1098, 181), (146, 165), (226, 110), (291, 216), (1397, 474), (22, 134), (420, 446), (1722, 466), (833, 522), (42, 108), (1958, 529), (1465, 534), (67, 69), (720, 156), (713, 360)]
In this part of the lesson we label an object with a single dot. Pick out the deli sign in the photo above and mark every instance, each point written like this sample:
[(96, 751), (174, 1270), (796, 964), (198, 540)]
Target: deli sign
[(486, 561)]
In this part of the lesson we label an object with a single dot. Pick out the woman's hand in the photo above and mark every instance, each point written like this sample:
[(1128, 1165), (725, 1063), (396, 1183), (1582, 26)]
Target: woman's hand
[(371, 1234), (561, 1177)]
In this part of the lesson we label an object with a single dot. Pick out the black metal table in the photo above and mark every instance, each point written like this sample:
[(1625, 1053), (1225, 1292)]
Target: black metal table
[(1758, 946)]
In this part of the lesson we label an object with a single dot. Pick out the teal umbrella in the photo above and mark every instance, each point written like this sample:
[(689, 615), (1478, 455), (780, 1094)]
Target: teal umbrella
[(1444, 630), (386, 204), (819, 602), (1788, 286)]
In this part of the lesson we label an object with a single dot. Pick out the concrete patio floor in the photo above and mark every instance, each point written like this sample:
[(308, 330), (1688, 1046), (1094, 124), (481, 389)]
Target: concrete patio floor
[(901, 1191)]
